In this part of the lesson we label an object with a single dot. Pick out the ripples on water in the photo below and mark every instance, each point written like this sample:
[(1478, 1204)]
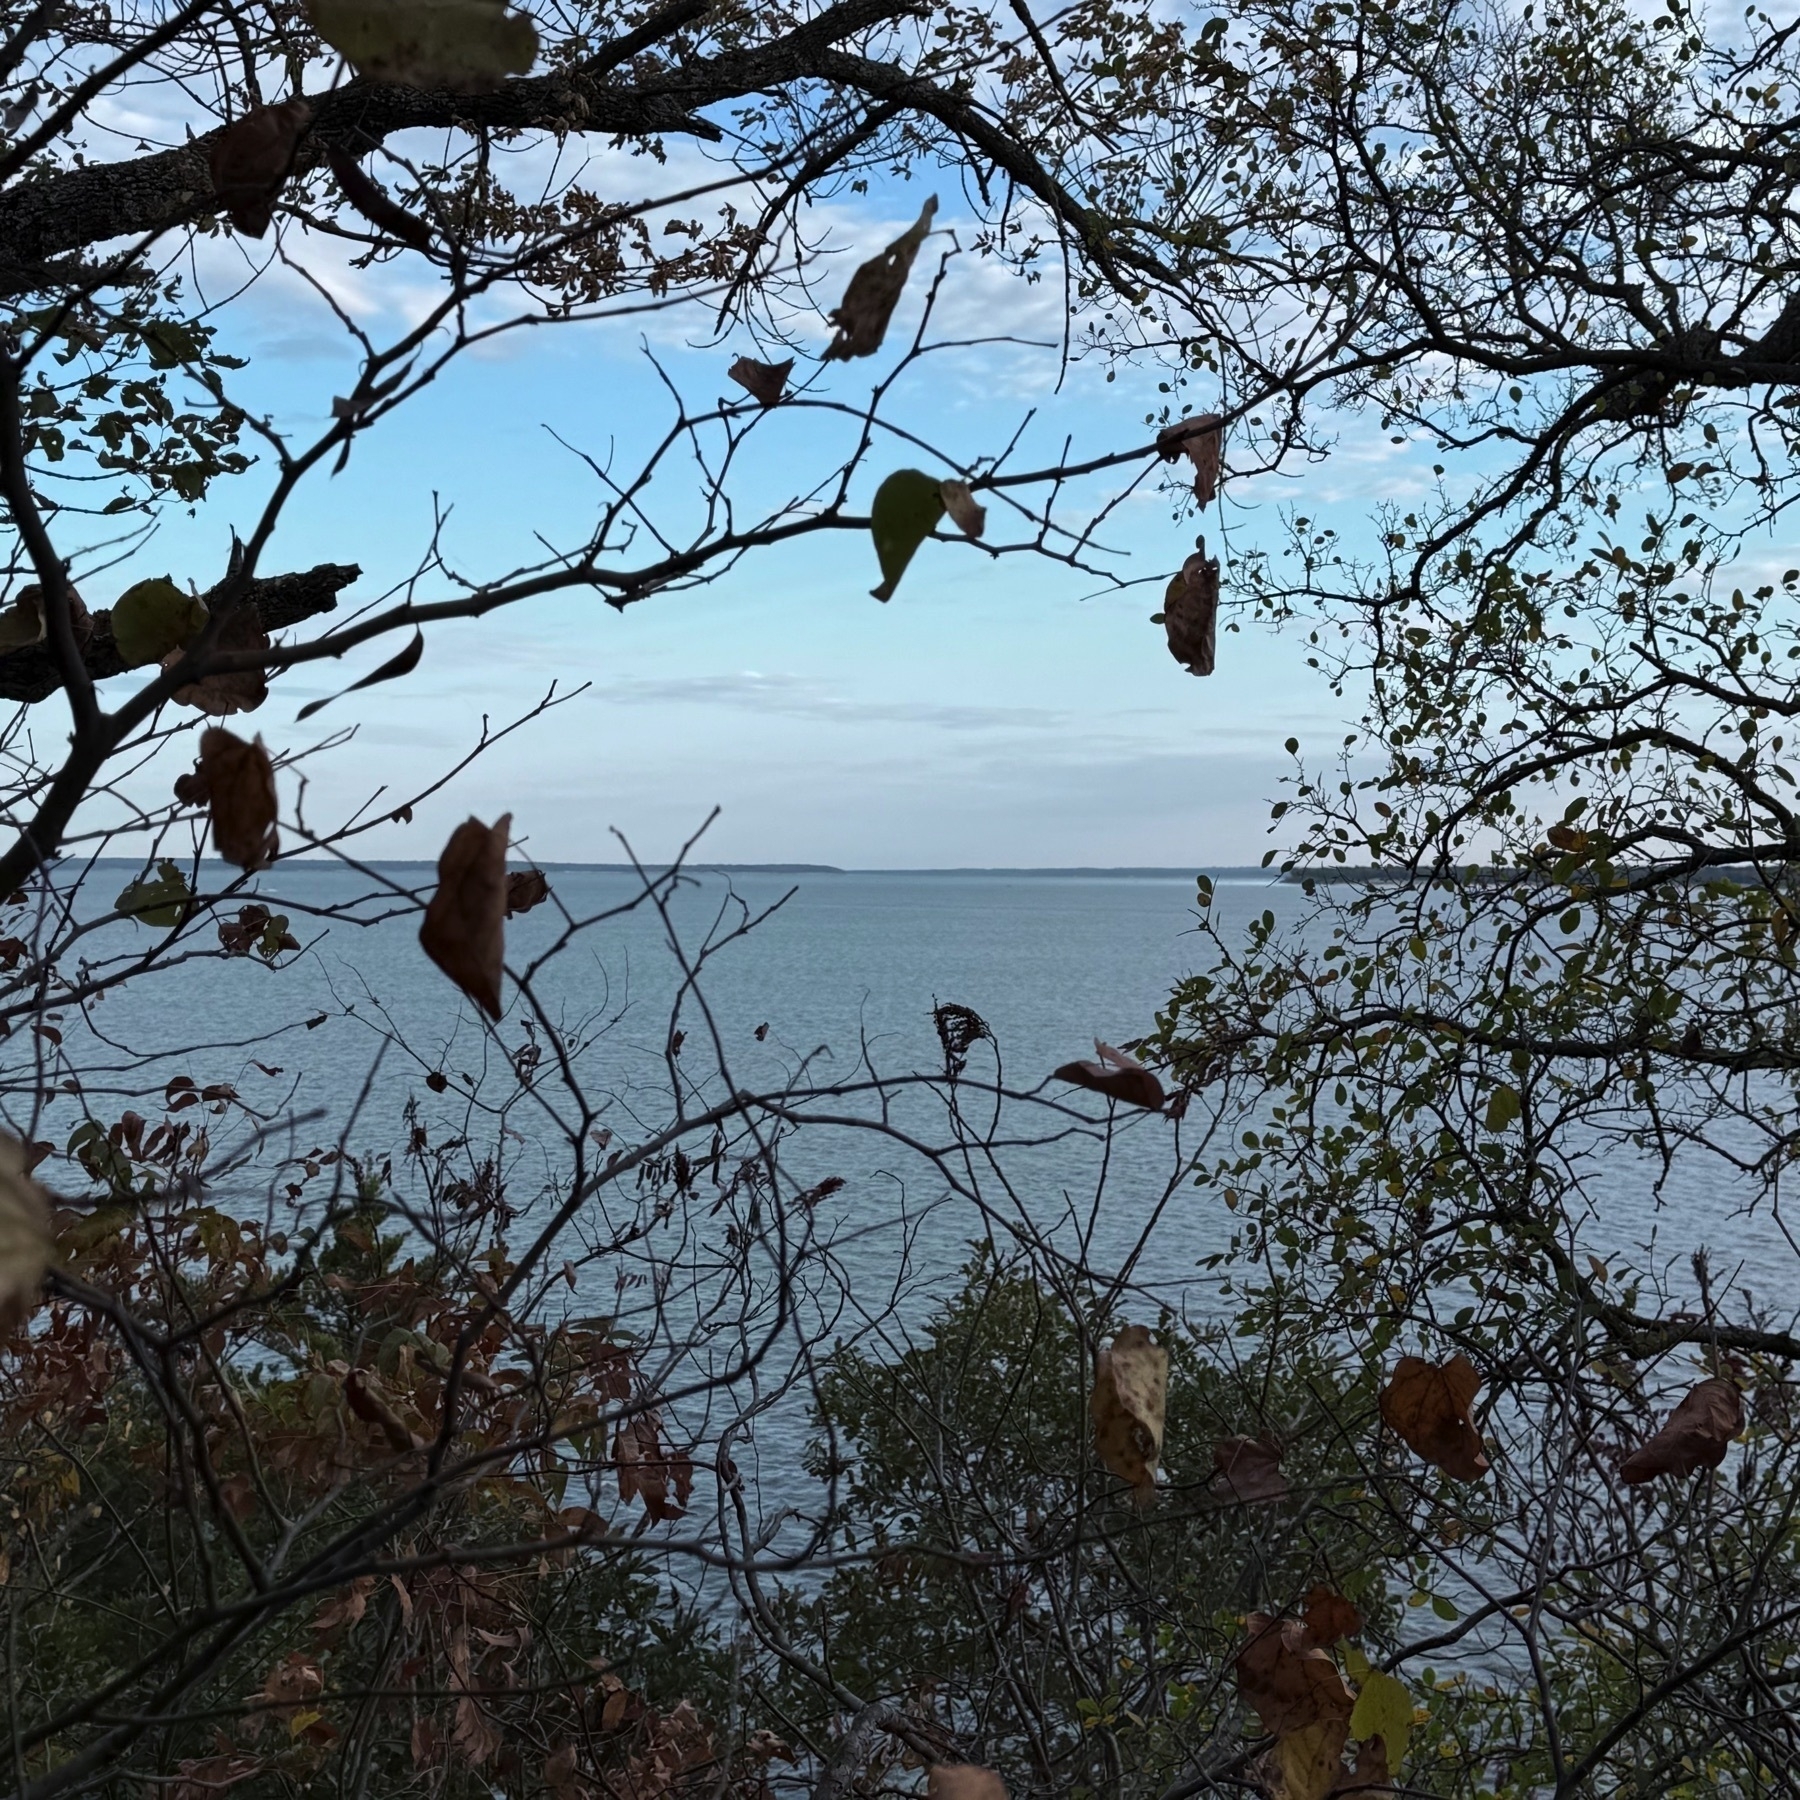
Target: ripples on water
[(850, 965)]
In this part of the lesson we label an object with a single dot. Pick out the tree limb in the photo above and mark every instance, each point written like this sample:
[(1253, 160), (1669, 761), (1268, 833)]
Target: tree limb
[(29, 675)]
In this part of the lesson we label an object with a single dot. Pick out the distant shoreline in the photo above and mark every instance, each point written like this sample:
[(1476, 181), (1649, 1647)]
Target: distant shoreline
[(1187, 873)]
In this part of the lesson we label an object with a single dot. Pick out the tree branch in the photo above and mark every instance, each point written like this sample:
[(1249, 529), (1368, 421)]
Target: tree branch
[(30, 675)]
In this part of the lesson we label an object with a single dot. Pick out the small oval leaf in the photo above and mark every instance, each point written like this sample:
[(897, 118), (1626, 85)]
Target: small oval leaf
[(907, 508)]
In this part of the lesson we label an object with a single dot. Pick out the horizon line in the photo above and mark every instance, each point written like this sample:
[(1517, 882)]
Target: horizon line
[(1185, 872)]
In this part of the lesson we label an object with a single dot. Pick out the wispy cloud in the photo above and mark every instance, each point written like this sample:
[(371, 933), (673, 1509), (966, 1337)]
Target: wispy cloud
[(804, 697)]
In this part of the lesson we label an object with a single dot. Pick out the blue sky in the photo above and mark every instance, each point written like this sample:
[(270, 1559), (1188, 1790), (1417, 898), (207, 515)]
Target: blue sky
[(996, 712)]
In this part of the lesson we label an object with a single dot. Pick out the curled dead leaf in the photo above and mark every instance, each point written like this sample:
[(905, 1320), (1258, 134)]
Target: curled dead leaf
[(24, 1232), (1290, 1683), (1429, 1408), (375, 205), (240, 690), (23, 623), (1201, 440), (251, 160), (1371, 1778), (969, 518), (240, 786), (1190, 614), (1249, 1469), (1696, 1436), (662, 1478), (463, 931), (963, 1781), (1328, 1616), (1131, 1389), (766, 383), (373, 1407), (525, 888), (874, 290), (1116, 1075)]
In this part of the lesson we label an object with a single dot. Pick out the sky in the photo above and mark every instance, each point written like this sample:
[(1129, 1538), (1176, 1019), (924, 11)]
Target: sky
[(998, 712)]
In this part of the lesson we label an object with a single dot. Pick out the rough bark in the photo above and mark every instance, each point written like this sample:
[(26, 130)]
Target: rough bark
[(47, 219), (29, 675)]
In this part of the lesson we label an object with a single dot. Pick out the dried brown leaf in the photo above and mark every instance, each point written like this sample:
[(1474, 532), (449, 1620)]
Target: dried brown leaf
[(1371, 1778), (251, 160), (766, 383), (373, 1407), (27, 610), (1249, 1469), (1131, 1388), (240, 786), (346, 1605), (1291, 1683), (474, 1735), (1201, 440), (874, 290), (662, 1478), (373, 202), (24, 1232), (464, 931), (969, 518), (1430, 1407), (242, 690), (562, 1779), (1191, 613), (1328, 1616), (1697, 1435), (963, 1781), (1116, 1075), (525, 888)]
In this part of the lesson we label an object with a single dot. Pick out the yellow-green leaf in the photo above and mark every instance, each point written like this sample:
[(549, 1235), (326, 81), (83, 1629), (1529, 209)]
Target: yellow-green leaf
[(1383, 1709), (153, 617), (160, 899), (1503, 1107), (464, 45), (907, 508)]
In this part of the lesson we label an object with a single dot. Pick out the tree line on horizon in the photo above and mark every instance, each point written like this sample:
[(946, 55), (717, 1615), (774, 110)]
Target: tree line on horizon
[(436, 1454)]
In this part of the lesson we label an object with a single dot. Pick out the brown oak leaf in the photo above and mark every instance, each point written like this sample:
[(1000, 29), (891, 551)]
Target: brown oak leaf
[(240, 787), (464, 929), (1131, 1387), (1291, 1683), (874, 290), (1201, 440), (1328, 1616), (963, 1781), (1118, 1076), (1696, 1436), (525, 888), (1429, 1407), (1249, 1469), (766, 383), (1190, 614), (251, 160)]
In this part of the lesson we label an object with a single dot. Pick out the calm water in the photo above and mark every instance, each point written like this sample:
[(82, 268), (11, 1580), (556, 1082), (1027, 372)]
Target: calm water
[(844, 973)]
